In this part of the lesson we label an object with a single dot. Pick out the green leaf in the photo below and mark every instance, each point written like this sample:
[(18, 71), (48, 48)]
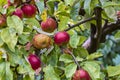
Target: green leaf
[(32, 22), (50, 5), (113, 70), (5, 72), (108, 11), (93, 68), (69, 2), (117, 35), (87, 6), (10, 38), (2, 70), (2, 2), (70, 70), (16, 23), (74, 40), (74, 11), (25, 67), (110, 4), (8, 72), (94, 55), (40, 5), (66, 58), (63, 23), (1, 41), (81, 52), (82, 39), (23, 38), (50, 73)]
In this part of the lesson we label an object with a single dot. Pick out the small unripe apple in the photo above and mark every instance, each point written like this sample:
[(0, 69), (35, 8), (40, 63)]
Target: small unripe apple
[(61, 38), (41, 41), (2, 21), (34, 61), (18, 12), (81, 74), (29, 10), (49, 25)]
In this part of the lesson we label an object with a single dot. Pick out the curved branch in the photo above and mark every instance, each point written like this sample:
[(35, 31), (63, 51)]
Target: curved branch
[(79, 23)]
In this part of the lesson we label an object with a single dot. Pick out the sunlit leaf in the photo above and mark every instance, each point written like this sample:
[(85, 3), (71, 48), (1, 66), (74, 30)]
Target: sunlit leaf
[(70, 70), (50, 73)]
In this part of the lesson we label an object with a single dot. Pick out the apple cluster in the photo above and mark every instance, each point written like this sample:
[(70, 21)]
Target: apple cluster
[(41, 41)]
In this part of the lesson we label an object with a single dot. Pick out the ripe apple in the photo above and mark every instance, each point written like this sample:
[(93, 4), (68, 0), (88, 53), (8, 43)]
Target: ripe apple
[(41, 41), (49, 25), (29, 10), (61, 38), (2, 21), (34, 61), (81, 74), (18, 12)]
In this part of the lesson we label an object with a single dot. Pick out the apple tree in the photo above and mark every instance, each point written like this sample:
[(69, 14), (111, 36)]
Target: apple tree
[(59, 39)]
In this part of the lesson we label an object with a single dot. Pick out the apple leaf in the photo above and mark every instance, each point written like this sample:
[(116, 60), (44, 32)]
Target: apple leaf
[(74, 40), (9, 73), (113, 70), (63, 22), (40, 5), (16, 23), (2, 70), (32, 22), (5, 72), (93, 69), (2, 2), (50, 73), (94, 55), (87, 6), (66, 58), (110, 4), (117, 35), (10, 38), (1, 41), (81, 52), (69, 2), (70, 70)]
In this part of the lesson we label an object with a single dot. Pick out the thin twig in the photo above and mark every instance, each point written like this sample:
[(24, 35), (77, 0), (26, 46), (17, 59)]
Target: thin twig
[(79, 23), (76, 62)]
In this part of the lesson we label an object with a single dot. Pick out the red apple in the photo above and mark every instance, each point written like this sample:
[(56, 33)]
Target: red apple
[(18, 12), (81, 74), (2, 21), (29, 10), (61, 38), (49, 25), (34, 61), (41, 41)]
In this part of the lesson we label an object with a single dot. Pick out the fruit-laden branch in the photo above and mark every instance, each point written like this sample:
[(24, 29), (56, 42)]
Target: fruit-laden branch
[(79, 23)]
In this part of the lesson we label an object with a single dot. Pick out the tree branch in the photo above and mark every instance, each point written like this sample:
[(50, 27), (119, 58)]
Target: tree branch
[(79, 23), (94, 40)]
